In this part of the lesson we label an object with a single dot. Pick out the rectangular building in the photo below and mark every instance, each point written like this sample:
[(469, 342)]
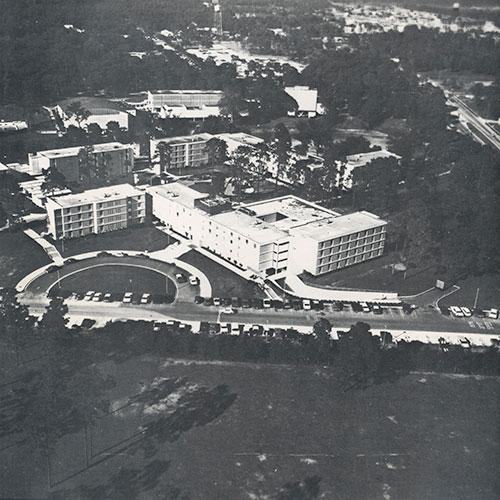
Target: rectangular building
[(190, 98), (116, 158), (306, 99), (272, 236), (96, 211), (183, 151)]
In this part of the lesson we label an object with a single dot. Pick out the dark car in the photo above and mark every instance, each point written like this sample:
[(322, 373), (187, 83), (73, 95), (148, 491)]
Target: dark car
[(226, 301), (257, 303), (297, 305), (277, 304), (236, 302), (52, 269), (287, 304), (317, 305), (103, 254), (245, 303), (70, 261), (208, 301), (199, 299), (356, 307), (181, 278)]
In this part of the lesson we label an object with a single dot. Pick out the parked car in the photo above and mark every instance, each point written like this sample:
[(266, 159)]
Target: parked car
[(377, 309), (103, 254), (194, 281), (287, 304), (236, 329), (364, 307), (266, 303), (127, 297), (257, 303), (208, 301), (317, 305), (245, 303), (492, 314), (356, 307), (306, 305), (297, 305), (228, 310), (225, 328), (456, 311), (97, 297), (173, 323), (198, 299), (52, 268), (89, 295), (146, 298), (181, 278), (277, 304), (70, 261), (217, 301), (466, 311), (107, 297), (236, 302)]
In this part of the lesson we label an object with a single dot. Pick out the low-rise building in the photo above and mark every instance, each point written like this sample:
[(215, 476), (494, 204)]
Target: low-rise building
[(284, 234), (181, 151), (236, 139), (116, 158), (306, 99), (96, 211), (189, 98)]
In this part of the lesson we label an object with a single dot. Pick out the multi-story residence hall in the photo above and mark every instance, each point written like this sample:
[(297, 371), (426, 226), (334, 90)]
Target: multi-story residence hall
[(272, 236), (116, 158), (188, 98), (97, 211), (183, 151)]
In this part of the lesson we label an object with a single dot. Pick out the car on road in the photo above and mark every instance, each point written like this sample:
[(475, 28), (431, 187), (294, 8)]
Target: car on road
[(70, 261), (172, 323), (364, 307), (456, 311), (127, 297), (146, 298), (181, 278), (104, 254), (306, 305), (198, 299), (89, 295), (377, 309), (52, 268), (194, 281), (217, 301), (228, 310), (97, 297), (466, 311)]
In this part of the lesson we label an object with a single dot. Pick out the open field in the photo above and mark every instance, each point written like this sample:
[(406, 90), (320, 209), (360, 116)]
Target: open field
[(138, 238), (224, 282), (19, 255), (238, 431), (119, 279)]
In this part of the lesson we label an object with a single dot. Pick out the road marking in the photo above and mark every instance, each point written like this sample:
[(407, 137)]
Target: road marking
[(488, 325)]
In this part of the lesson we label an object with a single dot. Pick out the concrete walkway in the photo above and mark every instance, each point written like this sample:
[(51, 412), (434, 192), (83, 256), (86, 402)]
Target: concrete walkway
[(50, 249)]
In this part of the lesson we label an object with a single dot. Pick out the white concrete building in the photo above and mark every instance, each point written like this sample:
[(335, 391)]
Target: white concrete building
[(189, 98), (306, 99), (272, 236), (237, 139), (96, 211)]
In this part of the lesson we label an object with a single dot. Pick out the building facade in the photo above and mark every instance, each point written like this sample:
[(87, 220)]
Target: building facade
[(178, 98), (284, 234), (183, 151), (97, 211), (115, 158)]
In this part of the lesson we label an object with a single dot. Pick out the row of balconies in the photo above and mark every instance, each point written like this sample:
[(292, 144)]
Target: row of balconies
[(352, 237)]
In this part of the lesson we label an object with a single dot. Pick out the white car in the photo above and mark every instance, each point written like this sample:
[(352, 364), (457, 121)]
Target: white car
[(365, 307), (227, 310), (88, 295), (466, 311), (306, 305), (97, 297), (266, 303), (127, 298), (235, 329), (217, 301), (146, 298), (456, 311), (225, 328), (193, 280), (493, 314)]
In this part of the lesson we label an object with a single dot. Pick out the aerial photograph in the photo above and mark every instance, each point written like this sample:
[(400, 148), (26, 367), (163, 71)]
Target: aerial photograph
[(249, 250)]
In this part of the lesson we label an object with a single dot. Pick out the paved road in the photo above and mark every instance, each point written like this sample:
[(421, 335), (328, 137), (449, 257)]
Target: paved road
[(420, 320), (477, 126)]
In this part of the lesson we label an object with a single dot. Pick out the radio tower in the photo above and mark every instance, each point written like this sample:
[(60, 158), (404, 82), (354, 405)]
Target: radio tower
[(217, 18)]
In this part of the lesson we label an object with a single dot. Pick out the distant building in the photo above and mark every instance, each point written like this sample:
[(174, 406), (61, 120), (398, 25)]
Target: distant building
[(194, 113), (237, 139), (96, 211), (12, 126), (306, 99), (157, 100), (184, 151), (117, 158), (284, 234)]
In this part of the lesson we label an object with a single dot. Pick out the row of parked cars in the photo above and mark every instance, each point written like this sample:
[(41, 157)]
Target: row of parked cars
[(465, 312), (126, 298)]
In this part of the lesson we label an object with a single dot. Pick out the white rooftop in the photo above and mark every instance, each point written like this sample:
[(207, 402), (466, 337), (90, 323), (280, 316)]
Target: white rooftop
[(166, 92), (306, 98), (182, 194), (242, 137), (3, 168), (339, 226), (181, 139), (96, 195), (97, 148)]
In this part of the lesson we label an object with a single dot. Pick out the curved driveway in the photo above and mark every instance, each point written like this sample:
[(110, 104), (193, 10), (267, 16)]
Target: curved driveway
[(46, 281)]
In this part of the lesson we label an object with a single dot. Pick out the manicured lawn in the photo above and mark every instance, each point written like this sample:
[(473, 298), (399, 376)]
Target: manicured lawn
[(239, 431), (137, 238), (489, 292), (119, 279), (19, 255), (224, 282), (376, 275)]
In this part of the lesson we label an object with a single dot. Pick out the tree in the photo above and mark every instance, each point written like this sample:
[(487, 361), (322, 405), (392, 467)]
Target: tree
[(86, 161), (322, 329), (113, 128), (281, 150), (217, 151), (358, 357), (76, 110), (164, 154), (94, 132), (53, 180)]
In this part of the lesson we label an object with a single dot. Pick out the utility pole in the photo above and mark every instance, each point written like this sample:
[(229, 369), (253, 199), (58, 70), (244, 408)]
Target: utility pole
[(477, 296), (217, 18)]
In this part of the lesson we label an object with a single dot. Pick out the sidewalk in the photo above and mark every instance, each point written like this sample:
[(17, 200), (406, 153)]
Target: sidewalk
[(50, 249)]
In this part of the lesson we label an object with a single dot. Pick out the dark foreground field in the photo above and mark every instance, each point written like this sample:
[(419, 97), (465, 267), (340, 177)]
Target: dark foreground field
[(235, 431)]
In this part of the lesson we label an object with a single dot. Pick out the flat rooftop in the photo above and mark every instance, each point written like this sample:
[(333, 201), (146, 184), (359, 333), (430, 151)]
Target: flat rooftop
[(249, 227), (187, 92), (247, 139), (95, 195), (290, 211), (182, 139), (97, 148), (339, 226), (182, 194)]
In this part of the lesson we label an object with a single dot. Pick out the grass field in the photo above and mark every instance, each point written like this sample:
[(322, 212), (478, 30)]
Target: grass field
[(224, 282), (119, 279), (488, 297), (137, 238), (19, 255), (247, 430)]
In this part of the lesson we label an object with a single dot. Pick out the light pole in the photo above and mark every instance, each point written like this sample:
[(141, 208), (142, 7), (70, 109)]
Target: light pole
[(477, 296)]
